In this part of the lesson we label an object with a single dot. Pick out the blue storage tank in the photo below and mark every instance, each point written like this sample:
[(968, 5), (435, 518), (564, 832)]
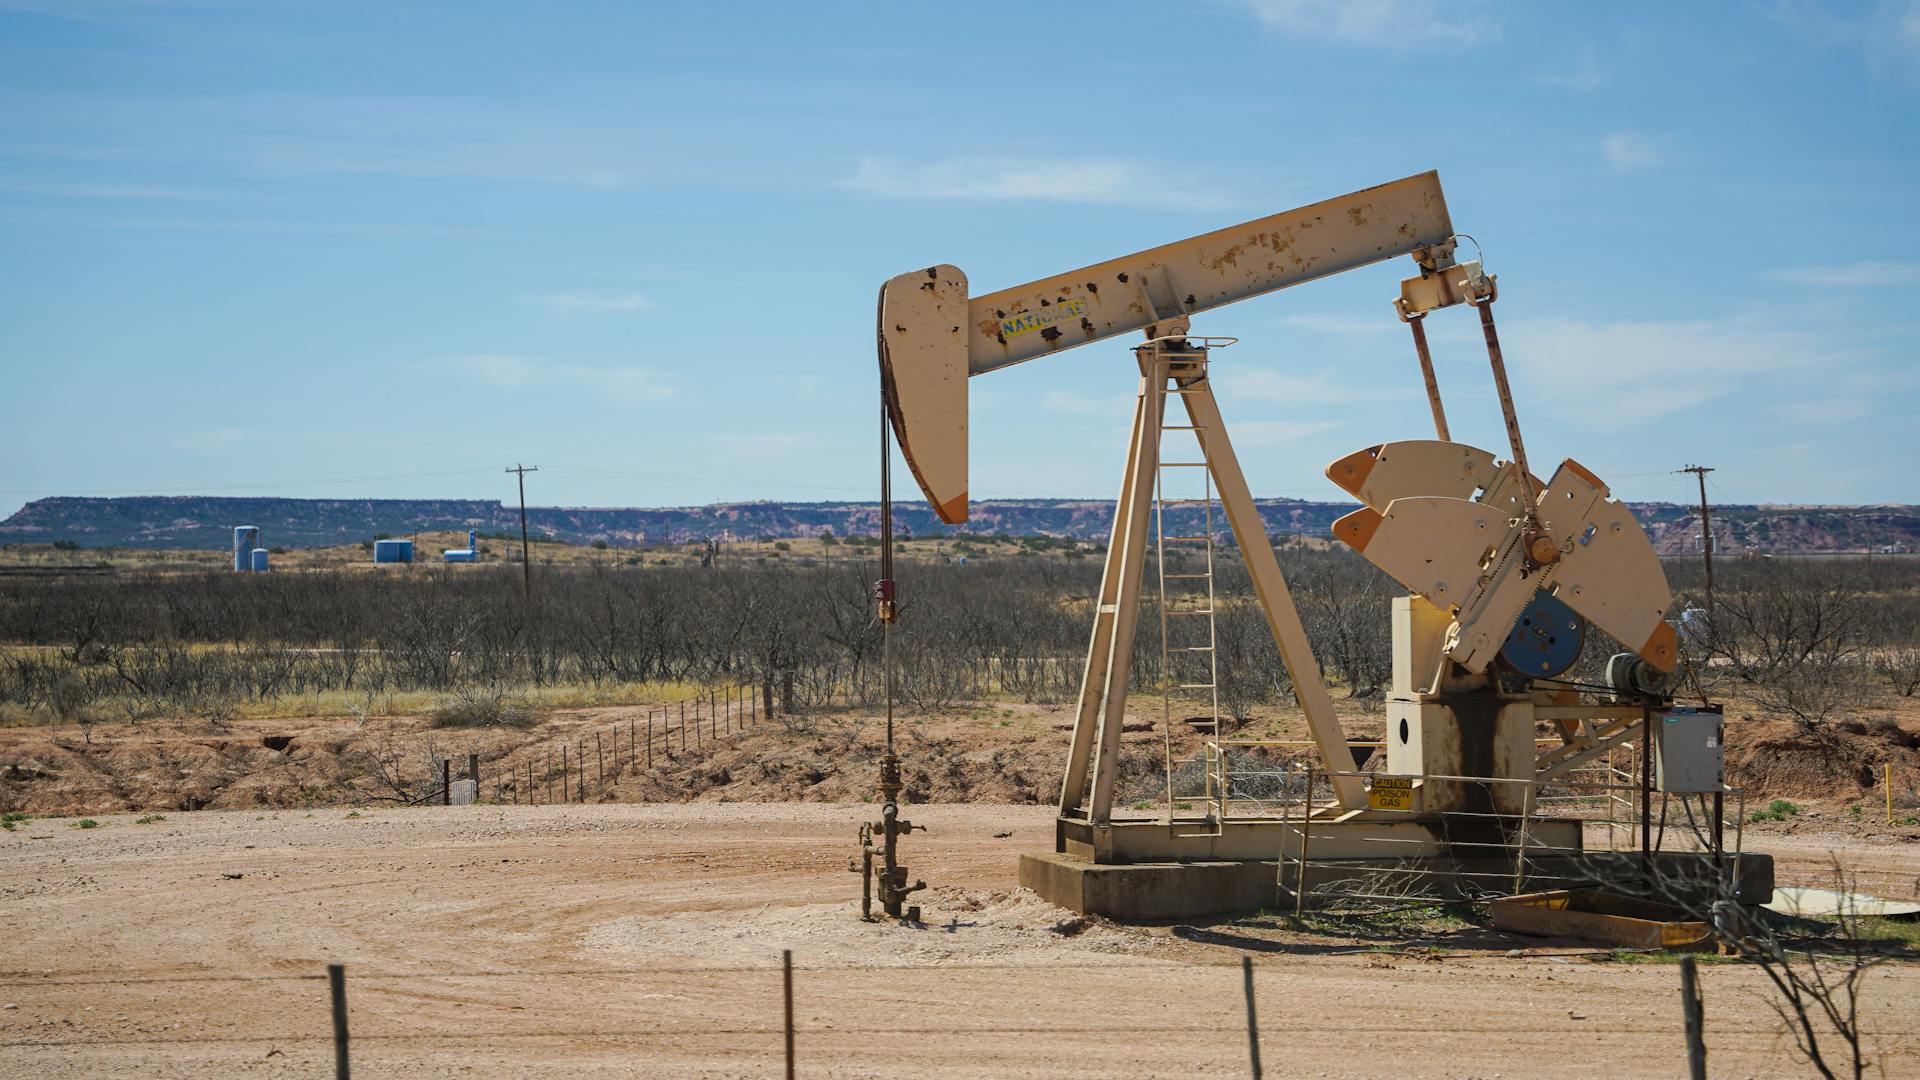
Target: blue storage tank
[(245, 539), (259, 560), (470, 553), (393, 551)]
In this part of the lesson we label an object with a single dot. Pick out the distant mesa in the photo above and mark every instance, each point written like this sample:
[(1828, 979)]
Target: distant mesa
[(207, 522)]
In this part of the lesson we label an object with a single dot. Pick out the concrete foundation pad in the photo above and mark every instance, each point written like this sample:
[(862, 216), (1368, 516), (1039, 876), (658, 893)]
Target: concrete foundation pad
[(1145, 892), (1149, 892)]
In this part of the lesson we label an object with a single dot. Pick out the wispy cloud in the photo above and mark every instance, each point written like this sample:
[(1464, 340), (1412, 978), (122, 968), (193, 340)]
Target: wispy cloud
[(1846, 396), (105, 191), (214, 438), (1308, 389), (1852, 275), (1061, 401), (621, 302), (1401, 25), (1343, 325), (1893, 42), (1886, 35), (1827, 410), (986, 179), (1583, 74), (1595, 372), (1631, 151), (625, 383), (1269, 432)]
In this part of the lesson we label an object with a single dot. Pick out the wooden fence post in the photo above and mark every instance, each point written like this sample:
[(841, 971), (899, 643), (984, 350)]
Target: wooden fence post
[(599, 760), (446, 781), (580, 755)]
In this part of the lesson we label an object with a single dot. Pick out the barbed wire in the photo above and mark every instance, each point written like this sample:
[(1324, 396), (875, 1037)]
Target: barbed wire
[(630, 1035)]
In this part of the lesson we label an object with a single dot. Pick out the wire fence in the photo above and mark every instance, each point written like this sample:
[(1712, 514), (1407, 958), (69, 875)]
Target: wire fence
[(786, 1031), (589, 762)]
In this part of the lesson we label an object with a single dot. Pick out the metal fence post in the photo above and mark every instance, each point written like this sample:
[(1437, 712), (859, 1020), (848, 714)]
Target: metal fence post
[(337, 990), (1690, 1009), (1253, 1022), (1306, 822)]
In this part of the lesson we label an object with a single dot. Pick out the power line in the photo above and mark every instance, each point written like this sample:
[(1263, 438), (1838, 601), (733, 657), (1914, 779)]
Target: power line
[(704, 479), (251, 486)]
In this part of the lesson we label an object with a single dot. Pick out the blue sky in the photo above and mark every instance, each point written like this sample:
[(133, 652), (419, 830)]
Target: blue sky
[(387, 249)]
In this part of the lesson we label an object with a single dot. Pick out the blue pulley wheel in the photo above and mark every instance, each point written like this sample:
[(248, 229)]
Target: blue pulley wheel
[(1547, 638)]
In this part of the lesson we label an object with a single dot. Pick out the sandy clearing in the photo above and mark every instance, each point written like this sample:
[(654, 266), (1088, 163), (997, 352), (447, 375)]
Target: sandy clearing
[(643, 940)]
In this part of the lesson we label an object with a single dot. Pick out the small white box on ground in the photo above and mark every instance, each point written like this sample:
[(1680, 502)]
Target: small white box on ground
[(463, 792)]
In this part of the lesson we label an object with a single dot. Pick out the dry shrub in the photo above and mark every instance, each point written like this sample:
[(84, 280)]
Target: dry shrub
[(473, 707)]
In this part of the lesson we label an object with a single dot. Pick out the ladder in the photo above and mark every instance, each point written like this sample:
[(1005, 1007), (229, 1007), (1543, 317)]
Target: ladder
[(1189, 656)]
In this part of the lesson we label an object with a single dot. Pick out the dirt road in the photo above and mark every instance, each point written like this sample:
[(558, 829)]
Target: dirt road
[(623, 940)]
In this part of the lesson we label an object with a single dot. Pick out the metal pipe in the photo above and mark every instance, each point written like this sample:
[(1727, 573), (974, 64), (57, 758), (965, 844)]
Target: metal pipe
[(1506, 402), (1418, 325)]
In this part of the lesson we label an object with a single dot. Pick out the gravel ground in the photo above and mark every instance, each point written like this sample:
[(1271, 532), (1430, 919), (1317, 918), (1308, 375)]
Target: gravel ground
[(644, 940)]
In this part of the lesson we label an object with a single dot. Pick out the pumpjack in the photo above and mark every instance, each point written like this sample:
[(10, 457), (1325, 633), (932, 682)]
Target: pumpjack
[(1505, 572)]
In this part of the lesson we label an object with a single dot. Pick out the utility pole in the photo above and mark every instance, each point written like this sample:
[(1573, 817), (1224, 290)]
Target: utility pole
[(1706, 529), (526, 563)]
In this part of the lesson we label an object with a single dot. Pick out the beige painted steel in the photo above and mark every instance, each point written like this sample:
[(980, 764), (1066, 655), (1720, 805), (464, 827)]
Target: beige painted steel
[(1264, 839), (1397, 470), (1093, 757), (931, 336), (1456, 284), (1468, 556), (1112, 709), (1203, 272), (1073, 787), (1419, 642), (1596, 733), (1435, 743), (1614, 580), (1437, 546), (1270, 586), (924, 376)]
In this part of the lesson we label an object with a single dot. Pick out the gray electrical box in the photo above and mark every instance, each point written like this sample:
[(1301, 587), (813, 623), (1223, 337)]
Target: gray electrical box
[(1689, 754)]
